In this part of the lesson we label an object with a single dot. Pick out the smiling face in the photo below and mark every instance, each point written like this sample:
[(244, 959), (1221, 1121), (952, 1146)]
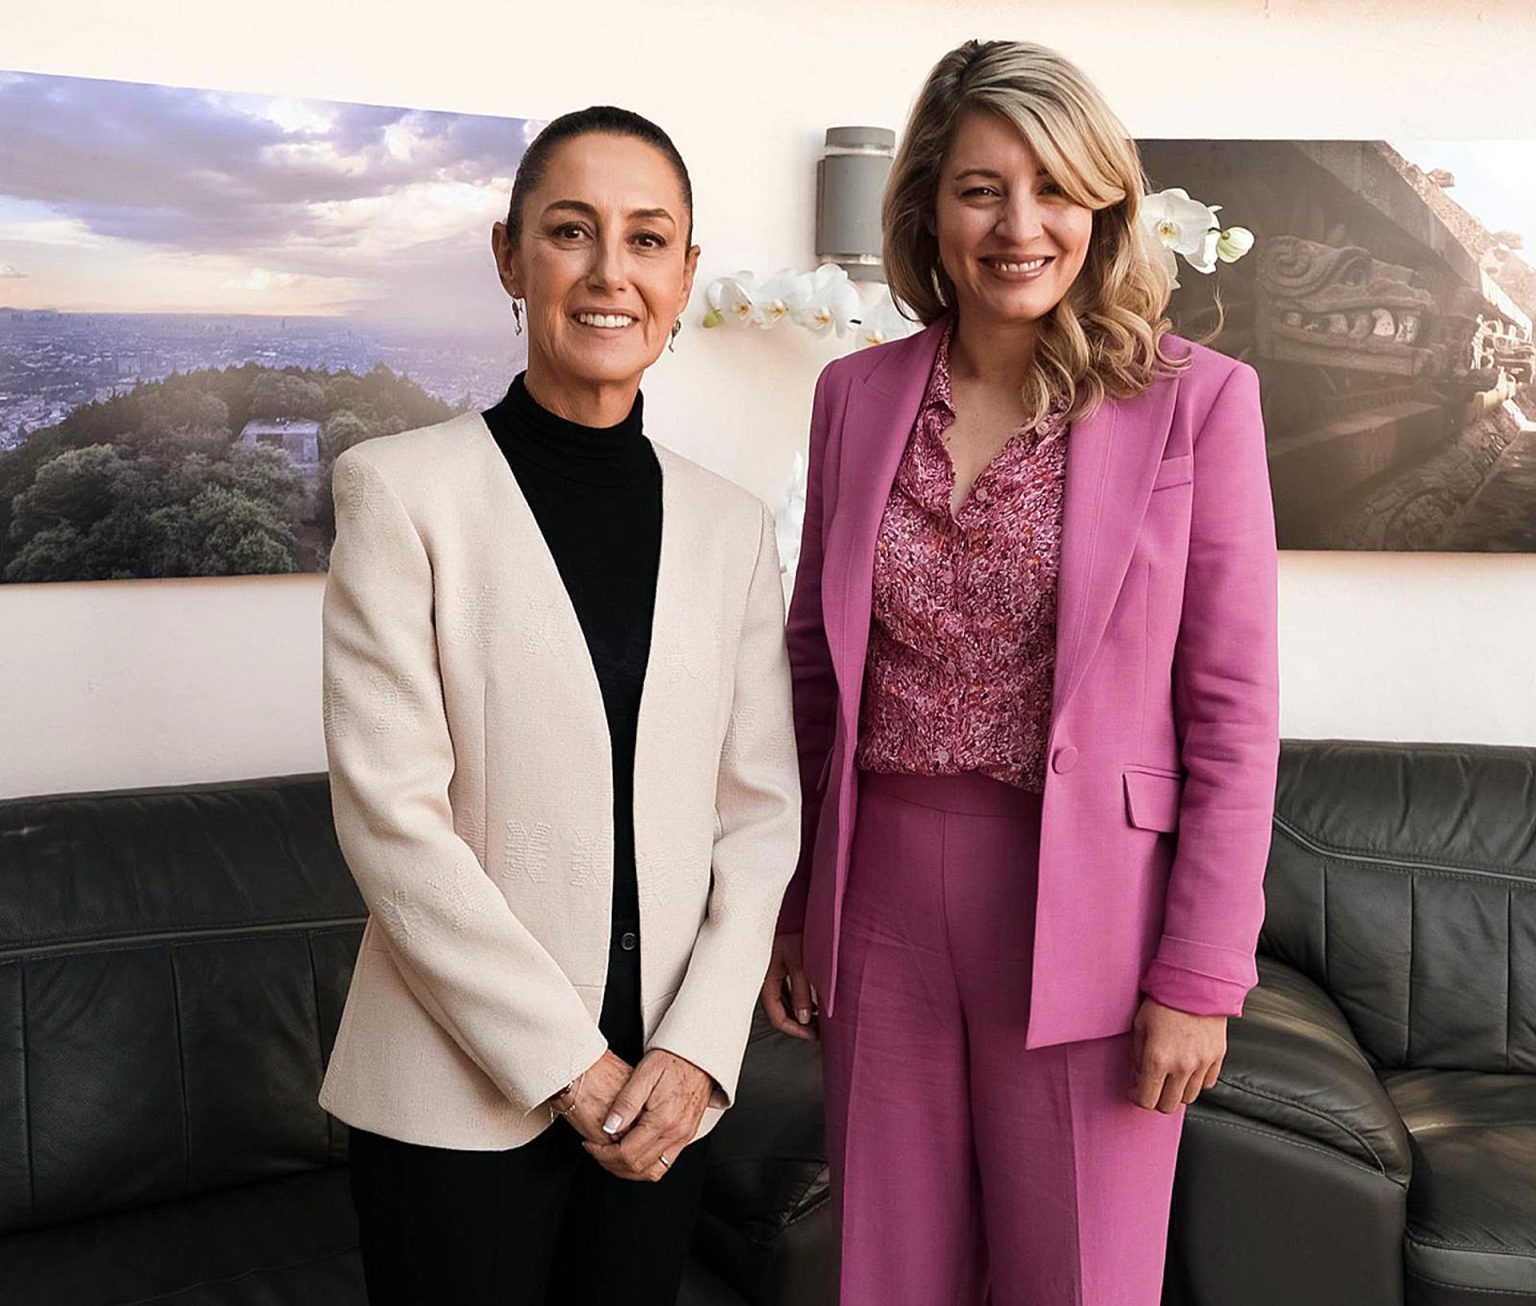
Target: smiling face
[(1009, 237), (602, 265)]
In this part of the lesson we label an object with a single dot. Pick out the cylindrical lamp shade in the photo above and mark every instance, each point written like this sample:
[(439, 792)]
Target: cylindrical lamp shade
[(850, 179)]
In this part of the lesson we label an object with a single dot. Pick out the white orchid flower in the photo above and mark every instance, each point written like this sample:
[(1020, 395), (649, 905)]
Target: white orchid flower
[(847, 308), (822, 300), (883, 323), (826, 300), (801, 288), (1178, 222), (1180, 225), (731, 299), (1204, 259), (1169, 264), (771, 303), (1233, 244)]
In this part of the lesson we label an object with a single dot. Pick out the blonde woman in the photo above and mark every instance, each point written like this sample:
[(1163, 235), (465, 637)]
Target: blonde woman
[(1033, 645)]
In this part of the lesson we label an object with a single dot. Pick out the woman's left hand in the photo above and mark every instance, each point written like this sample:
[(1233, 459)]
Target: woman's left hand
[(1174, 1055), (656, 1113)]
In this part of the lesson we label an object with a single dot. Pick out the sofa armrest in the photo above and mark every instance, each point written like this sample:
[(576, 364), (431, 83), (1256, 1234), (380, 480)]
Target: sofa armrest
[(1292, 1061), (765, 1222)]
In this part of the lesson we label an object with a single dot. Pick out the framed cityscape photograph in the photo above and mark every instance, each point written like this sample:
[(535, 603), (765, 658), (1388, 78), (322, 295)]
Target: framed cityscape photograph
[(206, 297)]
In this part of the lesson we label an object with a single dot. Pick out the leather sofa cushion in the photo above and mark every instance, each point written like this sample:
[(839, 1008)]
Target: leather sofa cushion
[(292, 1242), (767, 1166), (769, 1162), (173, 965), (1293, 1063), (701, 1286), (1402, 880), (1472, 1203)]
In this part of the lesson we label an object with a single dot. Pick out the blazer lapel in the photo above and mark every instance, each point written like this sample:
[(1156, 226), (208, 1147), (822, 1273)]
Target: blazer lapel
[(546, 624), (1112, 460), (673, 645), (881, 410)]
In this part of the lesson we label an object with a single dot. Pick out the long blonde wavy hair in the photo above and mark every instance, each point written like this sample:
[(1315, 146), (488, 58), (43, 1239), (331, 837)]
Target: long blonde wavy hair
[(1103, 338)]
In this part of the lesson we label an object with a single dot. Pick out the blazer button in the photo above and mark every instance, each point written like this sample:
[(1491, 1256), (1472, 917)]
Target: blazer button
[(629, 941), (1064, 760)]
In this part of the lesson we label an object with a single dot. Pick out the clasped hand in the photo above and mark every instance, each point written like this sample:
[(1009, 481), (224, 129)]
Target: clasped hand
[(628, 1119)]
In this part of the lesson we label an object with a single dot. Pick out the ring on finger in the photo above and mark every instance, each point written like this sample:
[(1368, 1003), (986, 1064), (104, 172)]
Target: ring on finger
[(665, 1162)]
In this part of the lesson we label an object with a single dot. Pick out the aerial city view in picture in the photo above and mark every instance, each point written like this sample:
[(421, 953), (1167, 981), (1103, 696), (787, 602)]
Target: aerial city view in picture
[(206, 297)]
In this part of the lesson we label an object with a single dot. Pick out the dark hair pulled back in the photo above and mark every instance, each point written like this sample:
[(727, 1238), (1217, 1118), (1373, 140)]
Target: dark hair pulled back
[(597, 119)]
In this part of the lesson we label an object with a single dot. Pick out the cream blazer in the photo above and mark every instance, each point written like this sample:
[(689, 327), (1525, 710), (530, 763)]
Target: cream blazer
[(470, 774)]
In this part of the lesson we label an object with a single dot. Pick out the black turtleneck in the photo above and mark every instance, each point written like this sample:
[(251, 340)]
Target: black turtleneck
[(596, 494)]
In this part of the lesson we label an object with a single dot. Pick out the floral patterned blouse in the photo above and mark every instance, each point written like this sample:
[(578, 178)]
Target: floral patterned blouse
[(962, 645)]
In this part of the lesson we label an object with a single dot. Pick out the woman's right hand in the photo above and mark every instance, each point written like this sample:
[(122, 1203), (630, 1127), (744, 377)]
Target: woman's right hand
[(787, 979), (595, 1090)]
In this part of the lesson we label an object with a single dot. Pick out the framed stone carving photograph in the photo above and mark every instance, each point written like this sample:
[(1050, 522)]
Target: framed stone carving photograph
[(1387, 306)]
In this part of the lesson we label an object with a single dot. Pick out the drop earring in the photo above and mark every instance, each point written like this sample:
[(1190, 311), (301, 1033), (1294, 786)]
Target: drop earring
[(517, 317), (672, 343)]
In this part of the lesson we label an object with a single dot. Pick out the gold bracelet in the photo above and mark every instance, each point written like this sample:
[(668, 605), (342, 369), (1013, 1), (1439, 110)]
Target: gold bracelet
[(572, 1088)]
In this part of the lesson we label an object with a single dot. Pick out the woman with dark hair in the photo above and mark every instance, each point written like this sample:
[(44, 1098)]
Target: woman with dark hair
[(571, 885), (1033, 644)]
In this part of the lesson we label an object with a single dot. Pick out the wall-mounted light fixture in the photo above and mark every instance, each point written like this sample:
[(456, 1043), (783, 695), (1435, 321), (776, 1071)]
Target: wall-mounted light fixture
[(850, 179)]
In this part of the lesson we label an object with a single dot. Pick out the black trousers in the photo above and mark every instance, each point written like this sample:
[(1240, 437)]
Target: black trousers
[(537, 1225)]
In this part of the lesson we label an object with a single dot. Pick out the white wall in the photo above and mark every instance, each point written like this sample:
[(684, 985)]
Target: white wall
[(110, 684)]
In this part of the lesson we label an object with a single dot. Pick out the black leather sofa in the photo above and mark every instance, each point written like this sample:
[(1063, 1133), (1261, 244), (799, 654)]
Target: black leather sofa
[(173, 964), (1372, 1140)]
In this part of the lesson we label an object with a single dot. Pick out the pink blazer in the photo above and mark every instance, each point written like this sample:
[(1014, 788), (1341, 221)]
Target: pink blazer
[(1164, 738)]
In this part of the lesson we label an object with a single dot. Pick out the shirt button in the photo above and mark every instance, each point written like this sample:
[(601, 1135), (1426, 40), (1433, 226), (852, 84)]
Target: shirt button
[(1064, 759), (981, 495), (629, 941)]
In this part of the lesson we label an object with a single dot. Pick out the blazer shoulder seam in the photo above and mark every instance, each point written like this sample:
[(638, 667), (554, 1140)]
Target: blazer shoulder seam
[(1234, 371), (382, 451)]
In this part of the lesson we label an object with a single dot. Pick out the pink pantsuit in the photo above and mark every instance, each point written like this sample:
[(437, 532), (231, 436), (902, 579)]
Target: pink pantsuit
[(979, 951)]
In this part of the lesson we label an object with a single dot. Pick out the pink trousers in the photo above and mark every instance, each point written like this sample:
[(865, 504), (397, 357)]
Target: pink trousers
[(960, 1159)]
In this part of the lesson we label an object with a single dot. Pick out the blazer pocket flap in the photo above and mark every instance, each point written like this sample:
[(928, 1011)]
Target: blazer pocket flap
[(1152, 799), (1175, 471)]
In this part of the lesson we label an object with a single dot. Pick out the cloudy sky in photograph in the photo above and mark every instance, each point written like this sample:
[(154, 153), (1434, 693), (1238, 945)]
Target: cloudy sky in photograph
[(1493, 181), (130, 197), (121, 196)]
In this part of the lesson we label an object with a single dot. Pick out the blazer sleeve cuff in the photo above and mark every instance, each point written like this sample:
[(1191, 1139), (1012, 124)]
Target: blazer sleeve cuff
[(536, 1092), (1187, 990), (1205, 979)]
